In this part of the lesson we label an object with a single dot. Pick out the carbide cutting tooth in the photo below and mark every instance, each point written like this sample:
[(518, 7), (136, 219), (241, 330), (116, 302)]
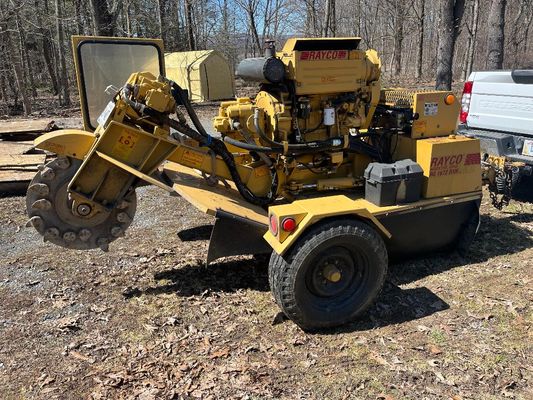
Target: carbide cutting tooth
[(117, 231), (63, 162), (103, 243), (41, 204), (37, 222), (123, 218), (69, 236), (41, 189), (51, 233), (48, 174), (40, 167), (84, 235)]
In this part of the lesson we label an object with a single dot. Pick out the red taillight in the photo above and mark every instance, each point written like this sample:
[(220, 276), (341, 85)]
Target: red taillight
[(288, 224), (273, 224), (465, 101)]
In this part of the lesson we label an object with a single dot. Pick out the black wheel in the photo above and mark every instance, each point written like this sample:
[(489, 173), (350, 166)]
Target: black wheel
[(331, 275), (468, 232), (76, 226)]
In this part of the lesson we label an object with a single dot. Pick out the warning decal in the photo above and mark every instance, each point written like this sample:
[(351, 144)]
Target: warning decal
[(431, 109)]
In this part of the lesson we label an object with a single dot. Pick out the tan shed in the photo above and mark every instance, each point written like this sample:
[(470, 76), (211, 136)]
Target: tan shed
[(206, 74)]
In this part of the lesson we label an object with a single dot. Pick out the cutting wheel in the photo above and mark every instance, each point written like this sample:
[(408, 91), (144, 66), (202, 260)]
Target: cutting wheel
[(75, 226)]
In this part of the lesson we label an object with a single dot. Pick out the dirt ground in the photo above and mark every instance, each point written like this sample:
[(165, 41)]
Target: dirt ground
[(148, 320)]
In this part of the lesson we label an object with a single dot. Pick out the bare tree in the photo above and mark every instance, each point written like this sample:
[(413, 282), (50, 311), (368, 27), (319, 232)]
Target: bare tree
[(451, 13), (65, 101), (104, 18), (496, 34), (190, 30), (421, 16)]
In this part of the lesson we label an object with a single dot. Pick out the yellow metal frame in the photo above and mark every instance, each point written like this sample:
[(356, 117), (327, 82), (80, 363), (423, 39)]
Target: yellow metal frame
[(307, 212), (73, 143)]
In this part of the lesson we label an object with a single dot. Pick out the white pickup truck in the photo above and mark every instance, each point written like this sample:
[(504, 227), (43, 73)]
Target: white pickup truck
[(497, 108)]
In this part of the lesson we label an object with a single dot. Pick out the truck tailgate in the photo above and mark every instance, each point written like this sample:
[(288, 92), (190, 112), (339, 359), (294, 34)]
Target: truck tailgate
[(498, 103)]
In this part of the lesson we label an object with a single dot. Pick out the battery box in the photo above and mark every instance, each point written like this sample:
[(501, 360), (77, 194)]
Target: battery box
[(389, 184)]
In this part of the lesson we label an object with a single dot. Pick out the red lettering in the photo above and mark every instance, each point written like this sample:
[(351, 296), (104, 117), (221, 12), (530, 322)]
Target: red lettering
[(473, 159), (323, 55)]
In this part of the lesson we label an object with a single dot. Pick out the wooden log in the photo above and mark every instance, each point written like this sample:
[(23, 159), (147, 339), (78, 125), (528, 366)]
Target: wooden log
[(21, 127)]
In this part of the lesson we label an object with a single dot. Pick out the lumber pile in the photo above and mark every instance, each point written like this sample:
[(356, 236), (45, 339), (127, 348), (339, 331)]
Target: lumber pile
[(19, 159)]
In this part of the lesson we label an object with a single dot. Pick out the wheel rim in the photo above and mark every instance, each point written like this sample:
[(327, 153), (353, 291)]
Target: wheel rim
[(337, 273), (63, 208)]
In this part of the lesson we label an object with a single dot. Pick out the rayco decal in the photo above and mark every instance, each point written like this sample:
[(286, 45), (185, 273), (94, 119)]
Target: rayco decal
[(450, 165), (320, 55)]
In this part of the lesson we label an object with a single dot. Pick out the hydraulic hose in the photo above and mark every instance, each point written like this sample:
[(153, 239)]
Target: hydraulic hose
[(252, 147), (220, 149)]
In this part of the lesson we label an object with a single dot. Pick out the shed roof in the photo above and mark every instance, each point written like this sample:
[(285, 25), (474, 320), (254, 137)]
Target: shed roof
[(188, 58)]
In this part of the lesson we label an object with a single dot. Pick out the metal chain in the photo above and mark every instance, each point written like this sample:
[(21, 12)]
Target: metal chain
[(507, 190)]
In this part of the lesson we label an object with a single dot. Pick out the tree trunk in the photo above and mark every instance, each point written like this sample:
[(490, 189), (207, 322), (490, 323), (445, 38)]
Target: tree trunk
[(14, 61), (495, 35), (398, 37), (469, 62), (190, 31), (253, 28), (27, 67), (327, 18), (61, 50), (333, 19), (79, 20), (163, 26), (451, 14), (104, 20), (420, 46), (46, 44)]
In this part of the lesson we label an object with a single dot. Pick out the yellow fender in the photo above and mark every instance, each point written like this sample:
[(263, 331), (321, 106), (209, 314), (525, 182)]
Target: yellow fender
[(73, 143), (309, 211)]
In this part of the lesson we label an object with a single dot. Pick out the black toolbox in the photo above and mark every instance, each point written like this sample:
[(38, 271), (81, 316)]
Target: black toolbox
[(389, 184)]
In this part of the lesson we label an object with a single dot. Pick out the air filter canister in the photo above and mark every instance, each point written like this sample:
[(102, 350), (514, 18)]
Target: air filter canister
[(329, 116)]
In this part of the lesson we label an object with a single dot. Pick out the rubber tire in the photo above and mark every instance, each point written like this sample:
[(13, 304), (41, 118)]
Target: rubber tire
[(287, 274), (468, 233)]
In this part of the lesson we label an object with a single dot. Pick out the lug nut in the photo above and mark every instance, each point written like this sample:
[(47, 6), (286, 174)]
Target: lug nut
[(69, 236), (51, 233), (117, 231), (84, 209), (123, 218), (84, 235)]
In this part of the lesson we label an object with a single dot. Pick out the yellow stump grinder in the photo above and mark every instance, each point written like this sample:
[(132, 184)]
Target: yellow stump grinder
[(323, 168)]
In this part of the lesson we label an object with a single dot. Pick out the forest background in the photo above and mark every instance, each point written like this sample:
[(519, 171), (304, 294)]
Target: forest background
[(432, 43)]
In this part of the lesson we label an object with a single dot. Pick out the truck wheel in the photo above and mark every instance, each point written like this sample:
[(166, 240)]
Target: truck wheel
[(52, 214), (331, 275)]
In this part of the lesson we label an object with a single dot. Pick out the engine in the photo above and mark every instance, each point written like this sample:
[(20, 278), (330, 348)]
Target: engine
[(316, 101)]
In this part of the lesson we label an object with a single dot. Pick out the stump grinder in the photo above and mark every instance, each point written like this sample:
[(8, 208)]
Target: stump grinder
[(323, 168)]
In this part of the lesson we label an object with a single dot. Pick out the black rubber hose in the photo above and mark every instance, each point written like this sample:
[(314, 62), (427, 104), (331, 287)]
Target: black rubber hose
[(220, 149), (252, 147), (178, 91)]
